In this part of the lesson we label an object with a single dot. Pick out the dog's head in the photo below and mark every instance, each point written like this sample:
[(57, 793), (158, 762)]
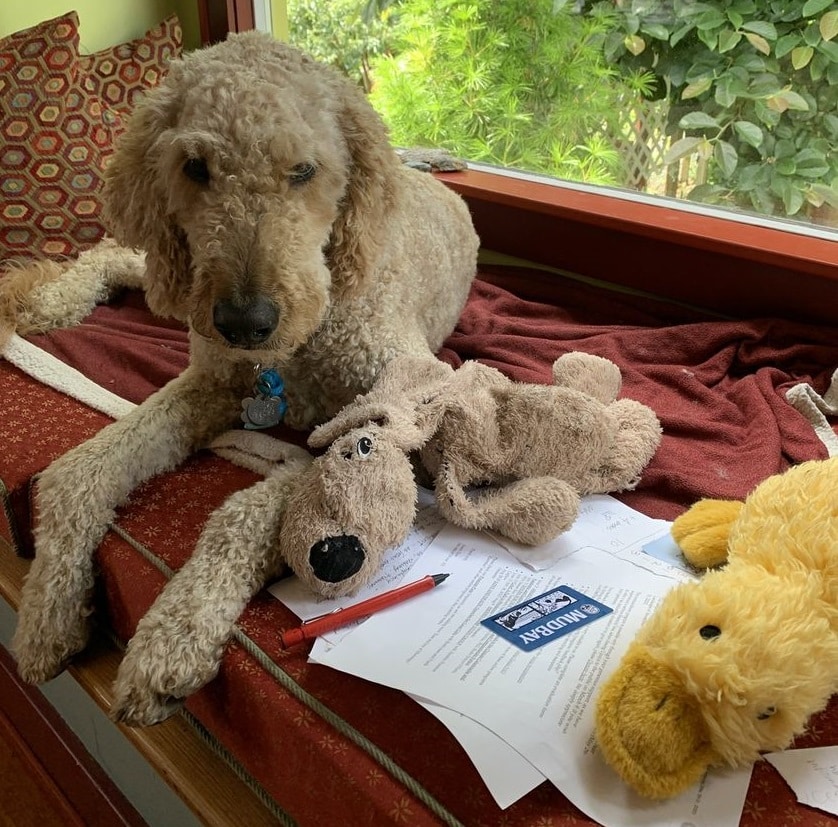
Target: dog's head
[(257, 182)]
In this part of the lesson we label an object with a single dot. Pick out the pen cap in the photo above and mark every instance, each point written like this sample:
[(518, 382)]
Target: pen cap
[(291, 637)]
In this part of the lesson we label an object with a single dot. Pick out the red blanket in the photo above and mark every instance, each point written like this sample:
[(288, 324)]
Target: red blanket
[(717, 385)]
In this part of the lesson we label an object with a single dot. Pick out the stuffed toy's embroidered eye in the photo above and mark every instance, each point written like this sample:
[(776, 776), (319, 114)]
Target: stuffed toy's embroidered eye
[(767, 713), (709, 632), (195, 169), (364, 446), (302, 173)]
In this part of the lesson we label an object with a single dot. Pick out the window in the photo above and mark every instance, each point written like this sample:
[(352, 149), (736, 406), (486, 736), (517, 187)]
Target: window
[(721, 103)]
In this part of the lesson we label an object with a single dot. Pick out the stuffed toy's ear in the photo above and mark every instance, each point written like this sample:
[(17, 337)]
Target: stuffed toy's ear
[(402, 383), (400, 428), (357, 236), (422, 385), (136, 199), (408, 377), (351, 416)]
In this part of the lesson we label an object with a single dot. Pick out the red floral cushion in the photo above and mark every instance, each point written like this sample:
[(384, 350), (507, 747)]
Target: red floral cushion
[(56, 134)]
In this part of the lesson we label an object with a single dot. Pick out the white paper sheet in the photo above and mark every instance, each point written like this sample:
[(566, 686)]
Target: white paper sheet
[(507, 774), (540, 703), (812, 774), (397, 563), (602, 521)]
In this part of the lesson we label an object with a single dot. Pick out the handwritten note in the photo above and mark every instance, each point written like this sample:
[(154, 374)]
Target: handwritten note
[(812, 774), (603, 523)]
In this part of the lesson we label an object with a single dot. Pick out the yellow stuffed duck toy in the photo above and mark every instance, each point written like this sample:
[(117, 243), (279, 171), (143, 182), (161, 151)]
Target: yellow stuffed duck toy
[(736, 663)]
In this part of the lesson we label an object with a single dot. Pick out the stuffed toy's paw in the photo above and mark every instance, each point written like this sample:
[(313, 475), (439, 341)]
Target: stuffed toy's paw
[(702, 532)]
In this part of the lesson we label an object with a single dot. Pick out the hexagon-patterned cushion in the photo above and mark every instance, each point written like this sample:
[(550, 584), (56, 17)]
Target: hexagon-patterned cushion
[(49, 154), (56, 134), (120, 75)]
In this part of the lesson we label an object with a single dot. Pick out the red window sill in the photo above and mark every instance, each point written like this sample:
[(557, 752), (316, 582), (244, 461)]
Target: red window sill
[(724, 265)]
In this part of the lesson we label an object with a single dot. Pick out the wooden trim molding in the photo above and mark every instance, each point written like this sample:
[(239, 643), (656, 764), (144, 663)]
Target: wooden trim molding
[(202, 780), (57, 760), (724, 265), (218, 17)]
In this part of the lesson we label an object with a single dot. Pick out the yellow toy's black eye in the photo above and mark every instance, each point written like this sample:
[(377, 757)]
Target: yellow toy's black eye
[(302, 173), (195, 169), (709, 632), (767, 713), (364, 446)]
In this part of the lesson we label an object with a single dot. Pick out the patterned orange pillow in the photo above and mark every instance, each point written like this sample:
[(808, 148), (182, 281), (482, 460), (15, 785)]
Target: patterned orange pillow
[(56, 135), (120, 75), (50, 156)]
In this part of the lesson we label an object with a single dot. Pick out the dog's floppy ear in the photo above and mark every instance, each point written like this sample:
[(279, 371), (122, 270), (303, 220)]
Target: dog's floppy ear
[(358, 232), (136, 202)]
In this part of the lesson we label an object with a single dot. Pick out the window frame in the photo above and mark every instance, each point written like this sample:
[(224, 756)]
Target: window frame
[(736, 266), (730, 266)]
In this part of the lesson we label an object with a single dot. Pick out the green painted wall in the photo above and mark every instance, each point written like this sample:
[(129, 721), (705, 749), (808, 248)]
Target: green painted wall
[(103, 23)]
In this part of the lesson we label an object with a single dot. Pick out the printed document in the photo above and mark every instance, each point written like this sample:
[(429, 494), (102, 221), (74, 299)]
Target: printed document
[(538, 701)]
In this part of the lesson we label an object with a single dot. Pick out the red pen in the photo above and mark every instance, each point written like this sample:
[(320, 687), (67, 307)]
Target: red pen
[(340, 617)]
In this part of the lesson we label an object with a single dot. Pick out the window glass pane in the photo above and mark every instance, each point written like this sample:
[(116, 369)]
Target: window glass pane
[(732, 103)]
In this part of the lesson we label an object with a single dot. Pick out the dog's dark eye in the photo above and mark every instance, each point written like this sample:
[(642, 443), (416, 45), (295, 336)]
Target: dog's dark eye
[(767, 713), (709, 632), (364, 446), (196, 170), (302, 173)]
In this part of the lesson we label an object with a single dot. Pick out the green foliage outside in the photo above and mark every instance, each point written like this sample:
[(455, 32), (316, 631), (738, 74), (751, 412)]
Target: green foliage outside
[(753, 84), (347, 34), (519, 83)]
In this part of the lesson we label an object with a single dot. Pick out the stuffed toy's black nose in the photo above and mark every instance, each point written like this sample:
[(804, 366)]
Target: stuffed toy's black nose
[(336, 558)]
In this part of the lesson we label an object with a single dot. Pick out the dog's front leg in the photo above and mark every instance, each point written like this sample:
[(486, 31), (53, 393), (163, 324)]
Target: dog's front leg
[(76, 499), (179, 643)]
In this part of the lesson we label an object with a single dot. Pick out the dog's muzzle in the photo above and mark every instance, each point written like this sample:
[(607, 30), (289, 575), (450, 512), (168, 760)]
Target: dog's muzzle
[(335, 559), (245, 323)]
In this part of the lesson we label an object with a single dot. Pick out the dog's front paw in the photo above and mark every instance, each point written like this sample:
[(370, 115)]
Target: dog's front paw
[(162, 666), (53, 619), (52, 626), (41, 658), (137, 704)]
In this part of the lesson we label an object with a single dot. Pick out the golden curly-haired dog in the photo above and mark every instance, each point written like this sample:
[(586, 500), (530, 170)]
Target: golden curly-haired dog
[(278, 222)]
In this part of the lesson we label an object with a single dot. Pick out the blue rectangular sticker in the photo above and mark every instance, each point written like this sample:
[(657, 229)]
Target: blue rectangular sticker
[(665, 548), (546, 617)]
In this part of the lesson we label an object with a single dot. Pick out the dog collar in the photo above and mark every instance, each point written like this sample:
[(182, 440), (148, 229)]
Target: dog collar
[(268, 405)]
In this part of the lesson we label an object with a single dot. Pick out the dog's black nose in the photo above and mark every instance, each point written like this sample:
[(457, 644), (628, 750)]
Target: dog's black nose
[(336, 558), (245, 323)]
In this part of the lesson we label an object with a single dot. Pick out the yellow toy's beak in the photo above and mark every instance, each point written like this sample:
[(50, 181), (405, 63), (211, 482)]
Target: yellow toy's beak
[(650, 730)]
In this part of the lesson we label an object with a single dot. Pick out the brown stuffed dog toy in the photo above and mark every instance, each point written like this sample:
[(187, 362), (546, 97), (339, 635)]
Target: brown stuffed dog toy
[(528, 451)]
